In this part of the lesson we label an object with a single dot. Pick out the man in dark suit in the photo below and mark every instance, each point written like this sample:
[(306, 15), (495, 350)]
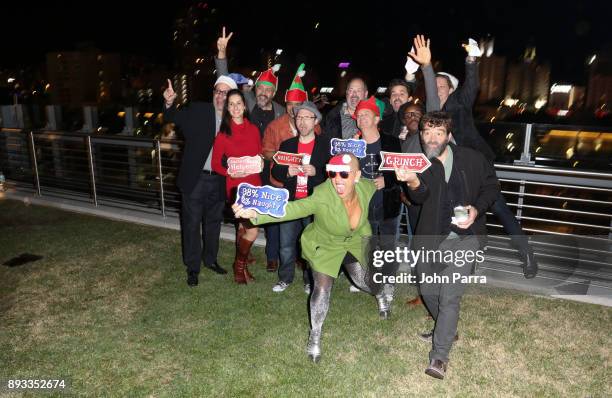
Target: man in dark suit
[(203, 191)]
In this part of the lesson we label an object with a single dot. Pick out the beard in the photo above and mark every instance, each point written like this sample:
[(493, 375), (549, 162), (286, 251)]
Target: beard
[(263, 100), (433, 150)]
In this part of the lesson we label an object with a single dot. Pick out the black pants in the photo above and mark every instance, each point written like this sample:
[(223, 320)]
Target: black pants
[(201, 217), (503, 213)]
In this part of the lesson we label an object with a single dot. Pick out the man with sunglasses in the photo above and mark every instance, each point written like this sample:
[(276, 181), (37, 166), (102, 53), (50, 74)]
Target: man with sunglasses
[(300, 182), (338, 236)]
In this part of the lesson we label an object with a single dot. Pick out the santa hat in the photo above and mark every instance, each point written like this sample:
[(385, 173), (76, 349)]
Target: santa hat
[(268, 77), (373, 104), (296, 92), (454, 81), (341, 162)]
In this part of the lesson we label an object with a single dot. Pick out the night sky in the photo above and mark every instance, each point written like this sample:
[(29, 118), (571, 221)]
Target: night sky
[(375, 38)]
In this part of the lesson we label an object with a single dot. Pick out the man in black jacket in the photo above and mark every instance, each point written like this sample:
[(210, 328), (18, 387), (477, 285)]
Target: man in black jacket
[(458, 101), (202, 190), (458, 176), (339, 122), (300, 181)]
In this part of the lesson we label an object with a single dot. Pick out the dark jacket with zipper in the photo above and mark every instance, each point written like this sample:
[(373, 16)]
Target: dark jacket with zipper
[(392, 191), (480, 187), (319, 158)]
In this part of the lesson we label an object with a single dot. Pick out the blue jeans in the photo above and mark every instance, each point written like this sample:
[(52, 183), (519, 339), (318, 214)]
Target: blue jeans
[(272, 241), (290, 232)]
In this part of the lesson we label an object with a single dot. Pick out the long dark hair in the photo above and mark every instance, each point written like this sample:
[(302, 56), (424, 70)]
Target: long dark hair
[(226, 118)]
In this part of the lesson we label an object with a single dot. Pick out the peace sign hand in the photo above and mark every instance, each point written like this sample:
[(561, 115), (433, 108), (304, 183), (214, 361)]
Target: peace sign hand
[(169, 95), (222, 43)]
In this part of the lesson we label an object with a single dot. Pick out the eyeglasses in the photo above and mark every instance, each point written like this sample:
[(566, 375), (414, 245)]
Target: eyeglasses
[(415, 115), (221, 92), (343, 174), (305, 118)]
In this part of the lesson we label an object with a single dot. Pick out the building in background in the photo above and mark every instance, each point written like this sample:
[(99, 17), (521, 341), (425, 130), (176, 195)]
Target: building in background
[(599, 89), (84, 77)]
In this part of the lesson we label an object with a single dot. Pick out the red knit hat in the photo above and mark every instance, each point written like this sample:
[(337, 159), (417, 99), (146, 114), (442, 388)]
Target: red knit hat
[(341, 162), (268, 77), (370, 104)]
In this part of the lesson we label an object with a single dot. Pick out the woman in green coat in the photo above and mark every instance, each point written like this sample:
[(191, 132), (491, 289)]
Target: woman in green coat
[(339, 235)]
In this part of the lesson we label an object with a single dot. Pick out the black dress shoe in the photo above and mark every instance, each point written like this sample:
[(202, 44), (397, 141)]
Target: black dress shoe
[(192, 279), (436, 369), (530, 265), (216, 268)]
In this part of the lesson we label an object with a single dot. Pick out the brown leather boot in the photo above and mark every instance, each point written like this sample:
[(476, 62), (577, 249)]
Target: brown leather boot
[(241, 273), (239, 234)]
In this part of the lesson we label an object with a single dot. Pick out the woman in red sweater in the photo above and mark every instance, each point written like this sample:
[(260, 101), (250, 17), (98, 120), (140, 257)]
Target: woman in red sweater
[(237, 137)]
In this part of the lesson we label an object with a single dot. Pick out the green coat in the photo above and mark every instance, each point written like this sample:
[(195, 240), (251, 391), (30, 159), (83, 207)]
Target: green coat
[(328, 238)]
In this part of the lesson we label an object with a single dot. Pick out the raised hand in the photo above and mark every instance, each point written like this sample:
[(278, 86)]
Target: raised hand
[(422, 53), (222, 43), (169, 95)]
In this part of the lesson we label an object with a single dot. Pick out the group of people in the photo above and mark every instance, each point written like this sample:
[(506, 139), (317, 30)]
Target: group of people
[(341, 207)]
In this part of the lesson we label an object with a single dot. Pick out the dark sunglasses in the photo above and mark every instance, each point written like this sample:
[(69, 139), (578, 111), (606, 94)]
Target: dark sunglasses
[(343, 174)]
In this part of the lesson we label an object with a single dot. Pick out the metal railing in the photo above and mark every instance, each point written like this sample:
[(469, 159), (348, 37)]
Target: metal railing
[(139, 174)]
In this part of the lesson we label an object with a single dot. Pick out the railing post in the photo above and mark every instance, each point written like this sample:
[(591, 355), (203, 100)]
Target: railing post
[(35, 163), (160, 175), (92, 174), (526, 154)]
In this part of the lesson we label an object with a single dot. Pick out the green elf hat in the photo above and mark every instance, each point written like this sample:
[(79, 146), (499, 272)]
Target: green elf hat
[(296, 92)]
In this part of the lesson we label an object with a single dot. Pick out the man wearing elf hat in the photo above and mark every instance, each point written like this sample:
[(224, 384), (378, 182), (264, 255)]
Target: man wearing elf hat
[(386, 203), (262, 109), (284, 127)]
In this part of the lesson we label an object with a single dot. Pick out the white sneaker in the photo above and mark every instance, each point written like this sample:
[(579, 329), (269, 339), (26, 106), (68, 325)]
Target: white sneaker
[(280, 287), (307, 288), (354, 289)]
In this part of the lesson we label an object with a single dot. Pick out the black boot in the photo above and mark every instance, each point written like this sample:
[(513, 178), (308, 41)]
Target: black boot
[(530, 265)]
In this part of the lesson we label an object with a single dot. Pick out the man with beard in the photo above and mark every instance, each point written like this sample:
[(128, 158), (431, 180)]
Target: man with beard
[(400, 90), (262, 111), (458, 176), (339, 122)]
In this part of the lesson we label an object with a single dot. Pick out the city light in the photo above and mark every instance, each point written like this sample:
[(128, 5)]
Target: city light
[(343, 73), (279, 51), (317, 25), (560, 88), (381, 90), (540, 103), (327, 90), (344, 65), (562, 112), (10, 80), (510, 101), (592, 59)]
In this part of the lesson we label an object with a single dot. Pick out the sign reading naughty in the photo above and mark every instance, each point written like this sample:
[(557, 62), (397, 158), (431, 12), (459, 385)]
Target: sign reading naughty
[(264, 200)]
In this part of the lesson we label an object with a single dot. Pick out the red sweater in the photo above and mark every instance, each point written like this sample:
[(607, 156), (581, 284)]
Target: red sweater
[(244, 141)]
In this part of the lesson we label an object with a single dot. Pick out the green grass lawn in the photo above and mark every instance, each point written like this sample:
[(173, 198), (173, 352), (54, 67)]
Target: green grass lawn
[(108, 307)]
